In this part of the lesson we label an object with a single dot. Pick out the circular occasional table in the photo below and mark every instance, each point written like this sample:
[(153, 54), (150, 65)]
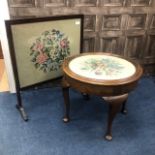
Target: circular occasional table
[(107, 75)]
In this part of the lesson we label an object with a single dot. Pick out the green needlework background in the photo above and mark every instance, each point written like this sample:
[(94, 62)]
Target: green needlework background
[(23, 37)]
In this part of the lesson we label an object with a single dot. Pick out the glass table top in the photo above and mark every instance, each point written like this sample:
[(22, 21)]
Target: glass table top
[(104, 67)]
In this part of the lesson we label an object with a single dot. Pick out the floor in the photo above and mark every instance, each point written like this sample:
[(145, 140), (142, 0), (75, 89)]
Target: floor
[(3, 77)]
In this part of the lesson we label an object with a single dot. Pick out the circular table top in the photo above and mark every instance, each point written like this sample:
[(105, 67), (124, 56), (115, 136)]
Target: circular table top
[(101, 68)]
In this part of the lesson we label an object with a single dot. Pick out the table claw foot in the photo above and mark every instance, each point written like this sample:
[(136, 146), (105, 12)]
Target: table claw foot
[(66, 120), (108, 137)]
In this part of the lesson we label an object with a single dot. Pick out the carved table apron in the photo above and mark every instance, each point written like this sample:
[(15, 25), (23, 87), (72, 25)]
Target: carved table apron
[(103, 74)]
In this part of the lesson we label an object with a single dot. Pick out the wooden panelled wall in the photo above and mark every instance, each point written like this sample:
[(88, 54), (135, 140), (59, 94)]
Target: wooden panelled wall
[(125, 27)]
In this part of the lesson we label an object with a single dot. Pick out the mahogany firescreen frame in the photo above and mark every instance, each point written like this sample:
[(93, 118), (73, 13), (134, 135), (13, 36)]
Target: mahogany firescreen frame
[(38, 47)]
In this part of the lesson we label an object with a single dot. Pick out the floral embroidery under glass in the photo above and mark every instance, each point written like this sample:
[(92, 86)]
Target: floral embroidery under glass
[(102, 66), (49, 50)]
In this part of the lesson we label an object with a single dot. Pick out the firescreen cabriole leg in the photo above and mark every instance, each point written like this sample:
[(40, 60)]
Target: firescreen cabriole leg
[(20, 107)]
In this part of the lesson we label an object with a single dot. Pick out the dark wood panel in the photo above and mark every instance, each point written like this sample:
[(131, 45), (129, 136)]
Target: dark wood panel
[(22, 3), (133, 47), (84, 3), (55, 3), (89, 44), (150, 49), (152, 25), (139, 2), (136, 21), (89, 22), (111, 22), (112, 2), (112, 45)]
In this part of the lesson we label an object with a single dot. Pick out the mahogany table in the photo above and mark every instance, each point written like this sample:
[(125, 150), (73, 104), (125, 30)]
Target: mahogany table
[(103, 74)]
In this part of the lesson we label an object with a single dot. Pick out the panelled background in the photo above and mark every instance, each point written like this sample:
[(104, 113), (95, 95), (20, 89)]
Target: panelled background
[(125, 27)]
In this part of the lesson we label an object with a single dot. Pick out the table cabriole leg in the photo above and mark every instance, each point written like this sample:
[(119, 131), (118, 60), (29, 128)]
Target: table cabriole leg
[(67, 104), (115, 105), (113, 110), (124, 109), (65, 90)]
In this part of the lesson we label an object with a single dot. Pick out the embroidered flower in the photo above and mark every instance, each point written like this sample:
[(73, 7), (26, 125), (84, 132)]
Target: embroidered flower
[(49, 50), (41, 58)]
